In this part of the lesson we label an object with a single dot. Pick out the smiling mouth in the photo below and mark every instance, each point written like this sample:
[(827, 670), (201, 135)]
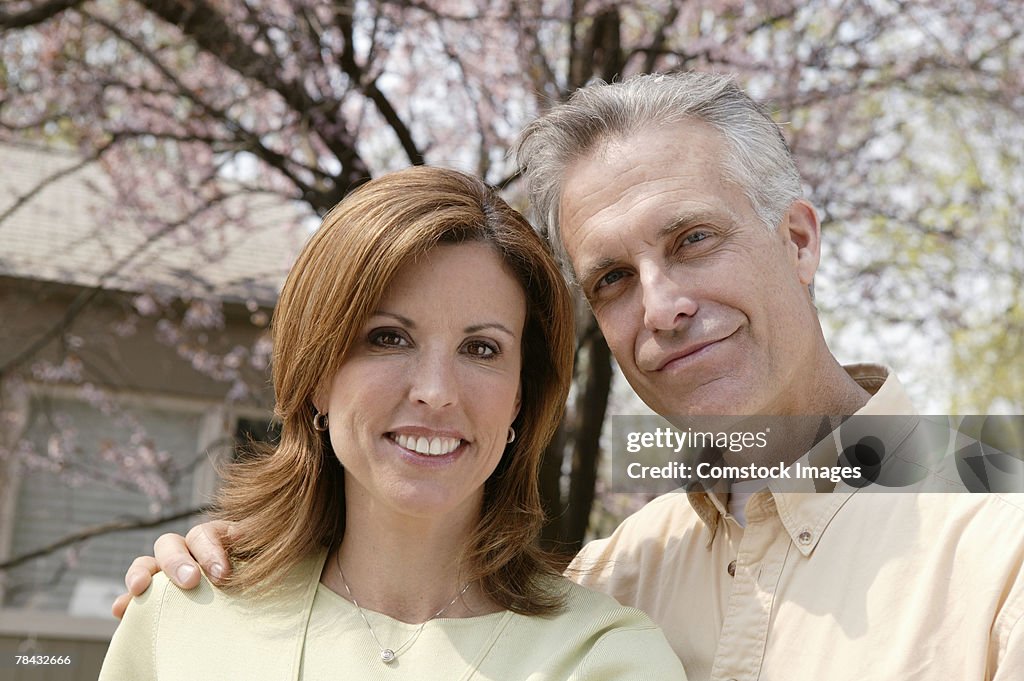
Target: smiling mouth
[(682, 357), (427, 446), (690, 354)]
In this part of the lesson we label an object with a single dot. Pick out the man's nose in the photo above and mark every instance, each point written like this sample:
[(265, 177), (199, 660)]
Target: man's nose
[(433, 381), (667, 300)]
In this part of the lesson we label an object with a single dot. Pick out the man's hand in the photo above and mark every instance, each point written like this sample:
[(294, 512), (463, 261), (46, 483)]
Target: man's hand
[(177, 556)]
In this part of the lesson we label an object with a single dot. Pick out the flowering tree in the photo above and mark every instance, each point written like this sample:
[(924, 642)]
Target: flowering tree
[(904, 115)]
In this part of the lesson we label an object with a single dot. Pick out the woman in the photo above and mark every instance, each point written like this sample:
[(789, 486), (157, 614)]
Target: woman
[(422, 353)]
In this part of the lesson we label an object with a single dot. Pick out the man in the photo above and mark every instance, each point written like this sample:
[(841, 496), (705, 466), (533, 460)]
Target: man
[(676, 203)]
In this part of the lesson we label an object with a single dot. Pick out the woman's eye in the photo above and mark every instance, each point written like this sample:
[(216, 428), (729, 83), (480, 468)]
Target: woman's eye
[(389, 339), (481, 349)]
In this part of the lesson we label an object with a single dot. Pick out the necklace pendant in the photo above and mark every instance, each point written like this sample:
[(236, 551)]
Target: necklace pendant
[(387, 656)]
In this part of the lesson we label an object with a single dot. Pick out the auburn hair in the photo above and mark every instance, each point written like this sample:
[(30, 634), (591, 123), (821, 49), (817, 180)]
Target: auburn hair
[(288, 501)]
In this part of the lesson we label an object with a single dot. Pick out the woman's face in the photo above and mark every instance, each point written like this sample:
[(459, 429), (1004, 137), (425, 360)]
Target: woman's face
[(420, 410)]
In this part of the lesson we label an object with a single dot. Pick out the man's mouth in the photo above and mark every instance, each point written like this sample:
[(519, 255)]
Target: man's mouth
[(686, 352)]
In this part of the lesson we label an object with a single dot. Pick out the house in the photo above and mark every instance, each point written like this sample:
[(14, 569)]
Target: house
[(133, 356)]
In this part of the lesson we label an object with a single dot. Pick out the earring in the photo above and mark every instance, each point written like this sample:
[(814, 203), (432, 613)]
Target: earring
[(319, 421), (511, 435)]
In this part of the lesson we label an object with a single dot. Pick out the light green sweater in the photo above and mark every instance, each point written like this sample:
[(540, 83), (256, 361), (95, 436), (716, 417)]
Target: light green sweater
[(305, 631)]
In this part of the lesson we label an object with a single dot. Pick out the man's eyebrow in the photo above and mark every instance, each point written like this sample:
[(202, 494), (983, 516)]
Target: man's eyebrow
[(685, 219), (592, 270), (677, 222)]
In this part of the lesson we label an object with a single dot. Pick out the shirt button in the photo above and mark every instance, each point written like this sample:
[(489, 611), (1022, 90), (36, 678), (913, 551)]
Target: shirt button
[(732, 569), (804, 537)]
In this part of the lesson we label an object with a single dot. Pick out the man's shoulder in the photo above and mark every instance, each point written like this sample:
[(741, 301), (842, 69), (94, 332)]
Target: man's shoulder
[(669, 508), (585, 607), (982, 506), (938, 528), (662, 516), (641, 538), (1012, 503), (998, 511)]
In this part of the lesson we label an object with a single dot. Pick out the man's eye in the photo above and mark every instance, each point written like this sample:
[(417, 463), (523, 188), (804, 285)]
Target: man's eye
[(610, 278), (694, 237), (481, 349)]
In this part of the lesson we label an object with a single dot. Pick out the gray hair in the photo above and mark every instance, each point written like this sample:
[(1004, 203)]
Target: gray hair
[(757, 157)]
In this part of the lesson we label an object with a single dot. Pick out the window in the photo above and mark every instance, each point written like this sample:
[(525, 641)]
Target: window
[(85, 465)]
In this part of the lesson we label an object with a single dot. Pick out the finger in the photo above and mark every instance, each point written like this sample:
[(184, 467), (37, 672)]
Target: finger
[(206, 542), (140, 574), (173, 558), (120, 605)]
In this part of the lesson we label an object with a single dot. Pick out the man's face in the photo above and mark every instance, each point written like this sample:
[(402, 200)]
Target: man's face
[(704, 308)]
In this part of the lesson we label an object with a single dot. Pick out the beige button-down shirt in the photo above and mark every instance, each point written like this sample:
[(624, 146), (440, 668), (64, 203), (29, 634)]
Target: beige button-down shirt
[(832, 586)]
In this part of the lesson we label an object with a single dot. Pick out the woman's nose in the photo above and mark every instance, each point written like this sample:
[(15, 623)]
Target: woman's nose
[(433, 382)]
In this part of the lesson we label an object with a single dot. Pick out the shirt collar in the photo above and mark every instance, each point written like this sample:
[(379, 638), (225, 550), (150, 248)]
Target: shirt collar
[(806, 515)]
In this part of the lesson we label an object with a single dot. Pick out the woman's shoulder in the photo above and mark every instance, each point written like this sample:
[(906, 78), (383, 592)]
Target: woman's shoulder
[(286, 599), (170, 632), (190, 614)]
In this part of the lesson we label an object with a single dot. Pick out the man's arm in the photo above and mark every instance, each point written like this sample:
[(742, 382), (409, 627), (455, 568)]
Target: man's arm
[(179, 558)]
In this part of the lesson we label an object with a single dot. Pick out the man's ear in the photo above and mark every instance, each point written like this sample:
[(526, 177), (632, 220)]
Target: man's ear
[(802, 232)]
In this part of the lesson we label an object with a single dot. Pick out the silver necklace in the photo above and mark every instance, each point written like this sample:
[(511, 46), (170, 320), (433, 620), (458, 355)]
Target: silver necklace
[(389, 655)]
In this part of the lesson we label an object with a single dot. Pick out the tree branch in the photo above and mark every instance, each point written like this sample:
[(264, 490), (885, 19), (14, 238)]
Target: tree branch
[(124, 525), (198, 20), (37, 14), (660, 36), (47, 181), (351, 67), (248, 141)]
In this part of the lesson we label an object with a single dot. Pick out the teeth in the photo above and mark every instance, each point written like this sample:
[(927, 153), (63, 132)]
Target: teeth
[(435, 446)]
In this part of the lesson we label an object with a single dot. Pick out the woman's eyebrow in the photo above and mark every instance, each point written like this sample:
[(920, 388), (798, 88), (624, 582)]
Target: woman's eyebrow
[(405, 321), (476, 328), (473, 328)]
